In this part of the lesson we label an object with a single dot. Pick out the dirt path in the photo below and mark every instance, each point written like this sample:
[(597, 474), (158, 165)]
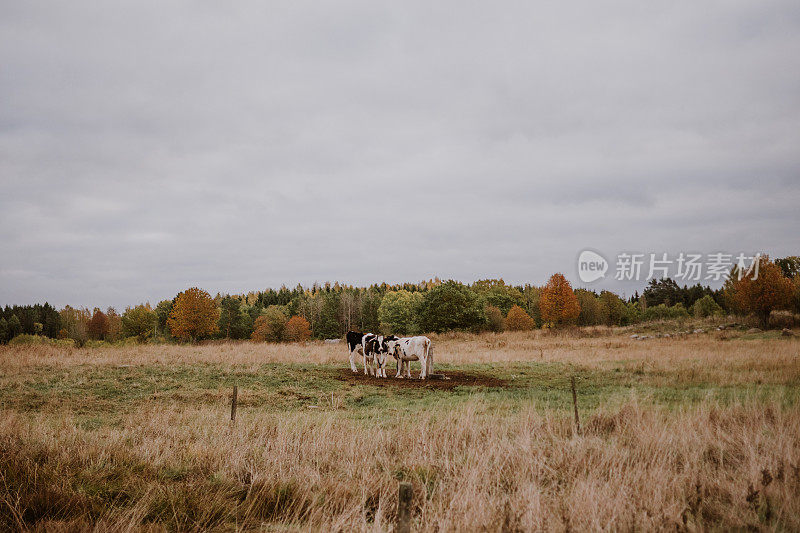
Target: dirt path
[(455, 379)]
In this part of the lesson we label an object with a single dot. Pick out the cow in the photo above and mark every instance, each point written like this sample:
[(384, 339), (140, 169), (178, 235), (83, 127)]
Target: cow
[(409, 349), (372, 345), (354, 343), (382, 354)]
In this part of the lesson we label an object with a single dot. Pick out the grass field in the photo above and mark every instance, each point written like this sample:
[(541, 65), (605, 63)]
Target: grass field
[(695, 432)]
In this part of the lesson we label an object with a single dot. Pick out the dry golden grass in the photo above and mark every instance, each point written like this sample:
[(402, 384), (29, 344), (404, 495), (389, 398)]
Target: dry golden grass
[(487, 463), (722, 361)]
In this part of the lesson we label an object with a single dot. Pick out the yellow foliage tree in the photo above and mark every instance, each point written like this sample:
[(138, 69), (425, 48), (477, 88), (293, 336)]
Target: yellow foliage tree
[(558, 302), (193, 315), (518, 320)]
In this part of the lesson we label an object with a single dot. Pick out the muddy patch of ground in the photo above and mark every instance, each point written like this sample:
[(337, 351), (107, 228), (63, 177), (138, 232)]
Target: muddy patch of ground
[(453, 379)]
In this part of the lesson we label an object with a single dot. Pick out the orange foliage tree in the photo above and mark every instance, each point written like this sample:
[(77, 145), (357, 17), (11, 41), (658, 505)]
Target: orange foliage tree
[(558, 302), (771, 290), (98, 325), (193, 315), (518, 320), (297, 329)]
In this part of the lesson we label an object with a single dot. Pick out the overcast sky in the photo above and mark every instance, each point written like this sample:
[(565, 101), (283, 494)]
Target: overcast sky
[(147, 147)]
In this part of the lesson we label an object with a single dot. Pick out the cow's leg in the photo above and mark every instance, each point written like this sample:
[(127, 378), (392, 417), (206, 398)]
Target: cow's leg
[(408, 368), (423, 361), (429, 357), (366, 371), (353, 366), (399, 369)]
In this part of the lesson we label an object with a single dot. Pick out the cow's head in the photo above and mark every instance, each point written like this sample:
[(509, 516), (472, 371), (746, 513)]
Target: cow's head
[(393, 347), (387, 343)]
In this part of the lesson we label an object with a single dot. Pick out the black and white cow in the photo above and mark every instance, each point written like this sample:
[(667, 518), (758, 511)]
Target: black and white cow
[(372, 345), (382, 354), (354, 343), (369, 346), (409, 349)]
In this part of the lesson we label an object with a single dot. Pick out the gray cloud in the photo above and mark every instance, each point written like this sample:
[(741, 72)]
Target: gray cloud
[(146, 147)]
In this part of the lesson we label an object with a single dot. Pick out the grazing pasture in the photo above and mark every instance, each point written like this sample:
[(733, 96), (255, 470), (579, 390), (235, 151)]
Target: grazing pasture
[(693, 432)]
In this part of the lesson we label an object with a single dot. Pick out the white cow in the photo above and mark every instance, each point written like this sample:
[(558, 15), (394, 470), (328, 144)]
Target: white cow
[(408, 349)]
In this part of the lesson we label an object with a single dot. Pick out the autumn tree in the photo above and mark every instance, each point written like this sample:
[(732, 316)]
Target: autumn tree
[(114, 324), (271, 325), (519, 320), (193, 315), (558, 303), (98, 325), (297, 329), (771, 290)]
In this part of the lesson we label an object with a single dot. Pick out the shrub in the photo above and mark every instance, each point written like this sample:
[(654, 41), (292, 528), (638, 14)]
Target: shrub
[(494, 319), (706, 307), (519, 320), (662, 312), (781, 319), (25, 339)]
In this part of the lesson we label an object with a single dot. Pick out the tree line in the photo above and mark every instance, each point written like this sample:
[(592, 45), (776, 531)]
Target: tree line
[(329, 310)]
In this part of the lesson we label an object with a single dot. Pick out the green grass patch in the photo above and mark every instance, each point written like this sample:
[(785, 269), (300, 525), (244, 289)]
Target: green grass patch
[(99, 395)]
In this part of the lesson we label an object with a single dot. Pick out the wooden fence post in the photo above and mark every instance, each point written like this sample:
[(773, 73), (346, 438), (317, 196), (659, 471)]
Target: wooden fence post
[(404, 508), (575, 406), (233, 403)]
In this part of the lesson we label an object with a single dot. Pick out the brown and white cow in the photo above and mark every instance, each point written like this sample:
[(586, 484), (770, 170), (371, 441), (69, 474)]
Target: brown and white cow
[(407, 349)]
